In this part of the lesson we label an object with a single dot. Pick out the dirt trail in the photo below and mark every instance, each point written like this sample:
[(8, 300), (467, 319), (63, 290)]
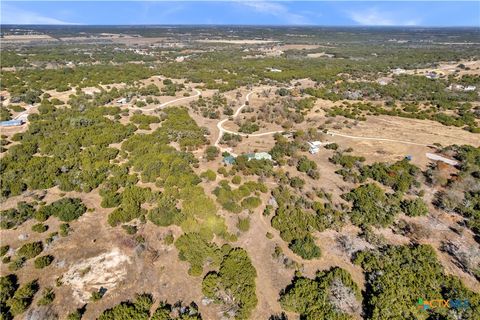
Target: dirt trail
[(333, 133), (197, 93)]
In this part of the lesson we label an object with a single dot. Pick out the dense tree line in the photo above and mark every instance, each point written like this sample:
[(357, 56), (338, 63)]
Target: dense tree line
[(25, 80), (462, 194), (410, 273), (140, 308)]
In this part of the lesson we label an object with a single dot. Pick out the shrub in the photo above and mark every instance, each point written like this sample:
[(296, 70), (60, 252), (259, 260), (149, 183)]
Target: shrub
[(169, 239), (22, 298), (166, 213), (243, 224), (196, 250), (51, 237), (14, 217), (211, 153), (251, 203), (210, 175), (67, 209), (331, 146), (248, 127), (48, 295), (144, 120), (129, 229), (17, 264), (414, 208), (39, 227), (64, 229), (305, 248), (236, 180), (297, 182), (75, 315), (30, 250), (8, 286), (3, 250), (43, 261), (96, 295)]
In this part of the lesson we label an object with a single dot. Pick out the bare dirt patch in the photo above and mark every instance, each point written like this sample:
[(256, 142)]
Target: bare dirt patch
[(93, 274)]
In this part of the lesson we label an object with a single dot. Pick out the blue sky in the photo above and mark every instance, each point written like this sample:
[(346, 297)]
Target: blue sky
[(325, 13)]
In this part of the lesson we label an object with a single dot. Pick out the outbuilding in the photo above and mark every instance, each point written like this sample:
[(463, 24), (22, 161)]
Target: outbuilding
[(259, 156), (314, 146), (12, 123), (229, 159)]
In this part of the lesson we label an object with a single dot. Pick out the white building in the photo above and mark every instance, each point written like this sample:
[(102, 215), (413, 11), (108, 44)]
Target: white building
[(259, 156), (383, 81), (456, 87), (398, 71), (470, 88), (122, 101), (314, 146), (274, 70)]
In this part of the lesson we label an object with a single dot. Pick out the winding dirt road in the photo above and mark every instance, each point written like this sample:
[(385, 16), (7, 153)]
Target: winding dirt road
[(222, 130), (197, 93), (333, 133)]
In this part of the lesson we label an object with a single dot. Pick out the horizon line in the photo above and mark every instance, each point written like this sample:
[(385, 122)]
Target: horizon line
[(246, 25)]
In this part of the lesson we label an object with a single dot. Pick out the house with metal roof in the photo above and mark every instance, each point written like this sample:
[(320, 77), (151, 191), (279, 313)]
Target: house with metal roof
[(259, 156), (314, 146), (229, 159), (12, 123)]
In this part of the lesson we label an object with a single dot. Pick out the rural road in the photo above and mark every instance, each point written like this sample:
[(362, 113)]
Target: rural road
[(222, 130), (333, 133), (24, 114), (197, 93)]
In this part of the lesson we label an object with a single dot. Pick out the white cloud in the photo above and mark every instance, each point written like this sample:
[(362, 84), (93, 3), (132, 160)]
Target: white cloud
[(14, 15), (375, 17), (277, 10)]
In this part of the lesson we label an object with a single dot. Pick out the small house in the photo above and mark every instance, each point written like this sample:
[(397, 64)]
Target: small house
[(259, 156), (383, 81), (432, 75), (263, 156), (313, 150), (398, 71), (456, 87), (470, 88), (229, 160), (274, 70), (314, 146), (12, 123), (122, 101)]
